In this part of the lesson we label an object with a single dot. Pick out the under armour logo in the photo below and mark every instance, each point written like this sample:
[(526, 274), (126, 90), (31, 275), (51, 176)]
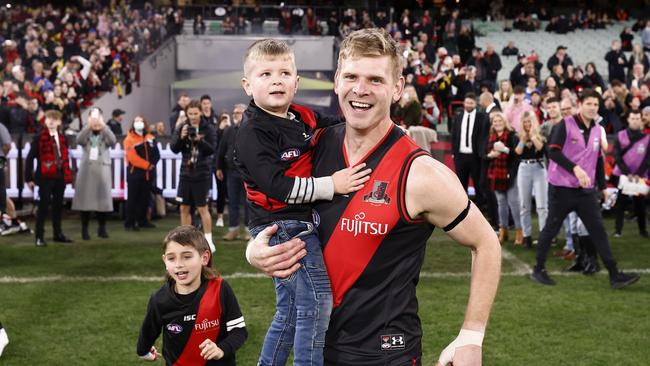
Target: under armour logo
[(398, 340)]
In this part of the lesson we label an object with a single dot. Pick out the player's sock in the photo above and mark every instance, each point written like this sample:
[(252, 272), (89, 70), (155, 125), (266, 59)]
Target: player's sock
[(208, 237)]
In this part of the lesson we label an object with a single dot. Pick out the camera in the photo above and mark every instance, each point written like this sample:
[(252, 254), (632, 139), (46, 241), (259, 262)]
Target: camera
[(192, 132)]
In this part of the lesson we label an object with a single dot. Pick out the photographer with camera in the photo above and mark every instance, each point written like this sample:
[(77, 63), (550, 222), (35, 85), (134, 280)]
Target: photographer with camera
[(194, 138)]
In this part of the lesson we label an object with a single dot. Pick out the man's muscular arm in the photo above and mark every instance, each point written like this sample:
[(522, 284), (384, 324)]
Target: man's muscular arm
[(441, 207)]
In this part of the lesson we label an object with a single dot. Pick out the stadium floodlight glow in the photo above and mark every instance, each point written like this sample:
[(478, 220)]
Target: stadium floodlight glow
[(220, 11), (8, 5)]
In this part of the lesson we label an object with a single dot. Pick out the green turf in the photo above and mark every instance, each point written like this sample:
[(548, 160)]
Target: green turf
[(578, 322)]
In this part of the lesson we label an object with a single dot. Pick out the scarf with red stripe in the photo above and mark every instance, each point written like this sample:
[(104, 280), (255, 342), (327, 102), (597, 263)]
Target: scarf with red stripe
[(53, 166)]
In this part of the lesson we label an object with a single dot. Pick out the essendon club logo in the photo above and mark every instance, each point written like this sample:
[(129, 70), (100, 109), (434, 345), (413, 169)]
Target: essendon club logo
[(378, 194)]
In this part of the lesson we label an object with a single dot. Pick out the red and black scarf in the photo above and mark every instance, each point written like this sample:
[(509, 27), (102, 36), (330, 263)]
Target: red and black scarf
[(53, 167), (498, 173)]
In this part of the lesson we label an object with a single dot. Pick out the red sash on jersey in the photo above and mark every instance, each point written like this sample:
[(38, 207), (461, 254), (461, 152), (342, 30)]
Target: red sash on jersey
[(369, 217), (206, 325)]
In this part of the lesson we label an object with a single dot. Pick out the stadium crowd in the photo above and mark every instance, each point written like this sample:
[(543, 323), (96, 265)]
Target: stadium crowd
[(62, 58)]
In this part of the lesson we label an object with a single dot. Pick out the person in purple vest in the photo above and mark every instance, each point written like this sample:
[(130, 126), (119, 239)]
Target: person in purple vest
[(575, 170), (632, 160)]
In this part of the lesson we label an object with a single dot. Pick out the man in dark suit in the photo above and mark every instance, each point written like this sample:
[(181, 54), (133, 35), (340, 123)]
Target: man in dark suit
[(468, 143)]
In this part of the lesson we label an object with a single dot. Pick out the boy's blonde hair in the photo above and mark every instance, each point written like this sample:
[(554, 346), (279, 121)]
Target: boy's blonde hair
[(372, 42), (265, 48)]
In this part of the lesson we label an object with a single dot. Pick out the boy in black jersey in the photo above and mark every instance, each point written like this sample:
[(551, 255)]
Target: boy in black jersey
[(273, 150), (196, 309)]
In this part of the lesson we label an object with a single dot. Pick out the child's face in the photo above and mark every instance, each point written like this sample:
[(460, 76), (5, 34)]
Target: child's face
[(272, 82), (52, 124), (184, 264)]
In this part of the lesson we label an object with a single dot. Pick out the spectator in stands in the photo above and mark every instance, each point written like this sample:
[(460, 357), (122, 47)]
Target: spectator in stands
[(502, 174), (488, 103), (222, 189), (516, 108), (593, 75), (52, 173), (160, 129), (94, 177), (174, 118), (632, 153), (637, 56), (466, 81), (505, 93), (559, 58), (408, 111), (333, 24), (195, 140), (518, 71), (240, 24), (611, 112), (645, 36), (616, 62), (310, 23), (531, 86), (531, 175), (430, 111), (257, 19), (580, 81), (627, 36), (637, 77), (451, 30), (228, 25), (115, 123), (141, 155), (227, 169), (199, 25), (465, 44), (645, 116), (286, 23), (469, 131), (510, 49), (492, 67)]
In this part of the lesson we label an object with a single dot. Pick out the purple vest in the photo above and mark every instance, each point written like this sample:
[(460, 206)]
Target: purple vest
[(634, 155), (586, 156)]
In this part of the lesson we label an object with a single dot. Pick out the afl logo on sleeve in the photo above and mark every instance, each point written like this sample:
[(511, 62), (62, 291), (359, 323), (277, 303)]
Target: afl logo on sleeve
[(378, 194), (290, 154), (174, 328)]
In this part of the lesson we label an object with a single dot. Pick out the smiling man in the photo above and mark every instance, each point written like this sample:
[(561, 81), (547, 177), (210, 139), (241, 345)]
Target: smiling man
[(374, 239)]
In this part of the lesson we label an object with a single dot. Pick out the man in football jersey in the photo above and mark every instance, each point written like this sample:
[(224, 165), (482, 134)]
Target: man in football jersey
[(374, 239)]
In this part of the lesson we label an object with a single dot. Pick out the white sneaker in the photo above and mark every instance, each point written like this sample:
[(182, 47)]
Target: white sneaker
[(11, 230), (219, 222), (4, 340)]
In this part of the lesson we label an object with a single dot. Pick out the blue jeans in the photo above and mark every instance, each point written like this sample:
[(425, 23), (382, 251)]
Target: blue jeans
[(531, 179), (236, 198), (303, 302), (508, 202)]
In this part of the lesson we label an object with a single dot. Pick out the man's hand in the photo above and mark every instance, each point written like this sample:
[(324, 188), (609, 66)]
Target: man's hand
[(210, 350), (582, 176), (279, 260), (220, 174), (153, 355), (469, 355), (350, 179)]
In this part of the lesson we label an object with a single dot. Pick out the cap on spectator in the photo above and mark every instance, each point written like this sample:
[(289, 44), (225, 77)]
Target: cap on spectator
[(646, 109), (560, 47), (117, 112)]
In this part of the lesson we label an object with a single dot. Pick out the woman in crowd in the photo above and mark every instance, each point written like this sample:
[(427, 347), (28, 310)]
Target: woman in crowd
[(141, 155), (94, 179), (595, 77), (638, 56), (505, 93), (531, 175), (502, 174)]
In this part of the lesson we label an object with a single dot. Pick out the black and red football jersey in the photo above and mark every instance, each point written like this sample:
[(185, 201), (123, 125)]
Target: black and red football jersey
[(212, 312), (272, 153), (373, 253)]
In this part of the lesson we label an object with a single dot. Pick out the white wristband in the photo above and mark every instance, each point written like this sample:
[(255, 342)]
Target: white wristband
[(465, 337), (148, 357)]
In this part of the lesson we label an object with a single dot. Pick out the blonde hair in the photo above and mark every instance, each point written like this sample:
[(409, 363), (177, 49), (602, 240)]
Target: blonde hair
[(266, 48), (189, 236), (534, 124), (503, 117), (372, 42)]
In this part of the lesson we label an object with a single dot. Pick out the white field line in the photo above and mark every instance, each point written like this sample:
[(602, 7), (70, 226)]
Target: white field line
[(237, 275), (521, 267)]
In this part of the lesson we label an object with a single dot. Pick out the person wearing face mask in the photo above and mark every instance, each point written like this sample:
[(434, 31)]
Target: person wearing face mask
[(141, 155), (93, 182)]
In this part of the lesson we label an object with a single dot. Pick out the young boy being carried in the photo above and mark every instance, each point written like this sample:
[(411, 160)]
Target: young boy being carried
[(273, 151)]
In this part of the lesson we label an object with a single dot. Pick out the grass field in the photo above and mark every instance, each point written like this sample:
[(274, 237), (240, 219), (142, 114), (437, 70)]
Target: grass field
[(82, 304)]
